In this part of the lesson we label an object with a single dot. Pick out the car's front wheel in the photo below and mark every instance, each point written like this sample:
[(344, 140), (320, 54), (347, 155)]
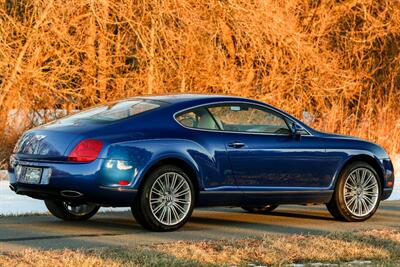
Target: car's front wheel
[(70, 211), (166, 199), (357, 193)]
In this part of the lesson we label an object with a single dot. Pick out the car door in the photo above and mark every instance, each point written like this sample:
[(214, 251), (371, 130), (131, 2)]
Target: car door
[(220, 187), (264, 153)]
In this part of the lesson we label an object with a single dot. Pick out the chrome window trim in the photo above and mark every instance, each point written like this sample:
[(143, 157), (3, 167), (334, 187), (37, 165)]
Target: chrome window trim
[(237, 132)]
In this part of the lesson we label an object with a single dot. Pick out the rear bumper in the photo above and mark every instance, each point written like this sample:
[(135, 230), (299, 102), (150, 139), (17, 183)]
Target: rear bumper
[(102, 196), (91, 182)]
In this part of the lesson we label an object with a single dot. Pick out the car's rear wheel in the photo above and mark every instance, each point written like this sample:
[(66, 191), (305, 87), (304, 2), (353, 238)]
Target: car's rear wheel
[(260, 209), (166, 199), (357, 194), (71, 212)]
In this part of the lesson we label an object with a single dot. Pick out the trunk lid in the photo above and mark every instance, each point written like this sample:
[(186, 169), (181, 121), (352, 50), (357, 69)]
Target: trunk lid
[(44, 144)]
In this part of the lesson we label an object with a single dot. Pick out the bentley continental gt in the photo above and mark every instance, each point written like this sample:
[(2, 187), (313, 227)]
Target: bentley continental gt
[(164, 155)]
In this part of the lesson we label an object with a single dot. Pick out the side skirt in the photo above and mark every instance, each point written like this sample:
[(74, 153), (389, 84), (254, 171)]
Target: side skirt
[(241, 198)]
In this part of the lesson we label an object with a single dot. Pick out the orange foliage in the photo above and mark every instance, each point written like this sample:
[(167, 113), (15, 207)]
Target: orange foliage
[(337, 60)]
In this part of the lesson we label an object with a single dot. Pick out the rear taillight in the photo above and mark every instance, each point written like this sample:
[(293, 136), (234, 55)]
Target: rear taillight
[(86, 151)]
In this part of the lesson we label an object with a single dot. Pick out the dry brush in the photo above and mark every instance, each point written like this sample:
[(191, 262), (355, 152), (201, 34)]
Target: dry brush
[(336, 60)]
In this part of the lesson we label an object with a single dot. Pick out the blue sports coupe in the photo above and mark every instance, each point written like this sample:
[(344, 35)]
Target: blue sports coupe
[(164, 155)]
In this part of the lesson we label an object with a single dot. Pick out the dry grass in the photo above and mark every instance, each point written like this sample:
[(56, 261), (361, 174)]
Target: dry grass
[(338, 60), (91, 258), (386, 234), (276, 250), (54, 259), (382, 247)]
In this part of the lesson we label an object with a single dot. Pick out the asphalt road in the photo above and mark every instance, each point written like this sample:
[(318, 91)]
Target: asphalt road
[(120, 229)]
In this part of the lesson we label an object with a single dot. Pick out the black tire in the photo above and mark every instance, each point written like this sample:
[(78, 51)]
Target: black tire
[(260, 209), (337, 206), (141, 208), (59, 210)]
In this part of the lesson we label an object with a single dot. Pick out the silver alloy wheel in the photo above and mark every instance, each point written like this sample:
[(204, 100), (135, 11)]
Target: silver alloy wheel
[(79, 210), (170, 198), (361, 192)]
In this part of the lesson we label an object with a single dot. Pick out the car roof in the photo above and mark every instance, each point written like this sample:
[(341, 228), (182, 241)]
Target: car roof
[(179, 98), (184, 101), (194, 99), (179, 102)]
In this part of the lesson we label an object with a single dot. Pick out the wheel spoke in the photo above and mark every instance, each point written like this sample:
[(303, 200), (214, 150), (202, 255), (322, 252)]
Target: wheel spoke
[(370, 194), (356, 206), (169, 219), (353, 181), (158, 208), (156, 200), (176, 189), (163, 213), (357, 174), (371, 186), (363, 205), (175, 213), (349, 194), (366, 182), (183, 192), (360, 211), (351, 201), (363, 173), (157, 192), (162, 187), (182, 201), (368, 200), (349, 187), (178, 207), (174, 178), (166, 179)]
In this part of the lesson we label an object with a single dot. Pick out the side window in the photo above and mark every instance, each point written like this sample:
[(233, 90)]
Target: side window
[(248, 118), (197, 118)]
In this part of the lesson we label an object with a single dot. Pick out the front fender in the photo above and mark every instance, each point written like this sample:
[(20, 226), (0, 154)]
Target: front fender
[(365, 156)]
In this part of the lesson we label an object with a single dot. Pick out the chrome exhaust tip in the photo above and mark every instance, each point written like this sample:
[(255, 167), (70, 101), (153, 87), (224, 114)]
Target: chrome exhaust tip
[(70, 193)]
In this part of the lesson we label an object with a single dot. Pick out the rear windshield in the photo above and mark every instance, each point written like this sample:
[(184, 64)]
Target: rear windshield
[(112, 112)]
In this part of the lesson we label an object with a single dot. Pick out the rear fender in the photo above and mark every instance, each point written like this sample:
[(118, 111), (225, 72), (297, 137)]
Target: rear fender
[(143, 154)]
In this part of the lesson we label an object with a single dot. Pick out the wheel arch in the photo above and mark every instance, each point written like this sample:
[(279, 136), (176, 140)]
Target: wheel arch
[(191, 170), (373, 162)]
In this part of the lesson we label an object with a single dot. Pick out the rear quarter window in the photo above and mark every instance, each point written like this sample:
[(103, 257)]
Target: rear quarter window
[(197, 118)]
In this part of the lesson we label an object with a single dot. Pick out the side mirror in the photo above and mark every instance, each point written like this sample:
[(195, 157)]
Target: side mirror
[(298, 131)]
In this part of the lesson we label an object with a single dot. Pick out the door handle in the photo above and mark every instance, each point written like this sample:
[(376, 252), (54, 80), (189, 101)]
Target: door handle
[(236, 144)]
